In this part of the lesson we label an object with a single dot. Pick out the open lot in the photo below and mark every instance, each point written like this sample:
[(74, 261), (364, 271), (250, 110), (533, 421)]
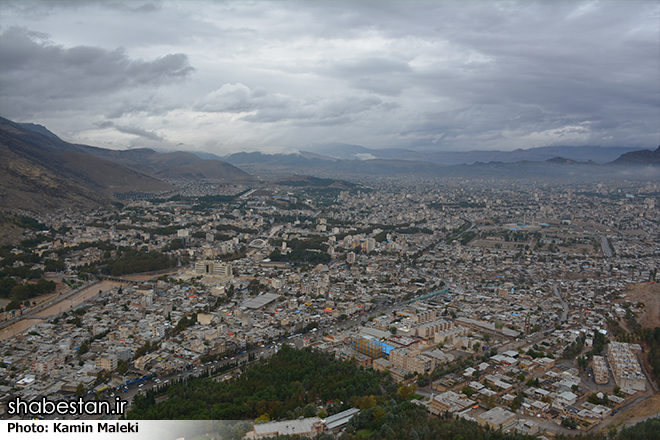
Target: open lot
[(649, 294)]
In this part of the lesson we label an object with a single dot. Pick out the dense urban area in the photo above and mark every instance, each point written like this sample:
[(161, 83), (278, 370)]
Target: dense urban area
[(527, 307)]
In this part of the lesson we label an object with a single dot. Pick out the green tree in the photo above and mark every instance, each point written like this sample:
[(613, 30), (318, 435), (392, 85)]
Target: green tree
[(310, 410), (84, 348), (407, 391)]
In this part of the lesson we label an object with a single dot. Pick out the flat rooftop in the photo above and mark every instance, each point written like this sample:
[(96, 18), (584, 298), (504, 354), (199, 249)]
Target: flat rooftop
[(260, 301)]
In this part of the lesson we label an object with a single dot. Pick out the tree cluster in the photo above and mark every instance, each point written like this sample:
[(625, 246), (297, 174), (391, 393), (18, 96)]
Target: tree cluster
[(134, 261), (282, 388)]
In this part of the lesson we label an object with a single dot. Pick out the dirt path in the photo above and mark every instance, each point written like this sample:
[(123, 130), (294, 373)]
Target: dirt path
[(649, 408)]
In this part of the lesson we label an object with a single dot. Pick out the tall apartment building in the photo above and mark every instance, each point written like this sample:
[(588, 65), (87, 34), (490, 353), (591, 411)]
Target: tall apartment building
[(428, 329), (367, 347), (625, 367), (107, 363), (451, 336), (424, 316), (601, 372), (411, 361)]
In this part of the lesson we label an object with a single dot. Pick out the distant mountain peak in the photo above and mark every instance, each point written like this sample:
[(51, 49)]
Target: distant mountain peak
[(561, 160), (40, 172), (639, 157), (38, 129)]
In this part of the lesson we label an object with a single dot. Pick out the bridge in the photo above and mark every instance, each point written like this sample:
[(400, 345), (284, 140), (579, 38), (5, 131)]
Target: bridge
[(429, 295), (258, 243)]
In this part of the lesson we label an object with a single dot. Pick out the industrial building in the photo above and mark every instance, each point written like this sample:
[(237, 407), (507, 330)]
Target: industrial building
[(309, 427), (260, 301), (337, 421)]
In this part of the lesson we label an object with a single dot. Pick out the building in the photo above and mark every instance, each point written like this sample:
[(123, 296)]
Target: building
[(625, 367), (381, 364), (370, 348), (411, 361), (527, 427), (107, 363), (336, 422), (260, 301), (601, 372), (213, 267), (428, 329), (497, 418), (450, 337), (204, 318), (310, 427), (438, 358), (403, 342), (564, 399), (450, 401)]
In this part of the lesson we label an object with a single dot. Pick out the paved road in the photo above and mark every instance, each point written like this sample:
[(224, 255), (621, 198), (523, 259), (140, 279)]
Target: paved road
[(564, 304), (607, 251)]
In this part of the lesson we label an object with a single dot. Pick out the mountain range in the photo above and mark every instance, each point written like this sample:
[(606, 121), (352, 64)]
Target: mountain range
[(40, 172), (578, 154), (635, 165)]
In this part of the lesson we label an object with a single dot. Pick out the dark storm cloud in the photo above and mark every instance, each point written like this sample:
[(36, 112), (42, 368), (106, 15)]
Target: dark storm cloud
[(37, 8), (266, 107), (139, 132), (130, 7), (238, 98), (130, 130), (572, 66), (526, 67), (374, 74), (432, 75), (35, 72)]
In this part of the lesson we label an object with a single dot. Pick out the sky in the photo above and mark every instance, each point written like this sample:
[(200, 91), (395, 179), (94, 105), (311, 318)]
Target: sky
[(277, 76)]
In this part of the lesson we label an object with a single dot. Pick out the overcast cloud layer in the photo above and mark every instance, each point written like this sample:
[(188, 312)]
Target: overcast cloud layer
[(277, 76)]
